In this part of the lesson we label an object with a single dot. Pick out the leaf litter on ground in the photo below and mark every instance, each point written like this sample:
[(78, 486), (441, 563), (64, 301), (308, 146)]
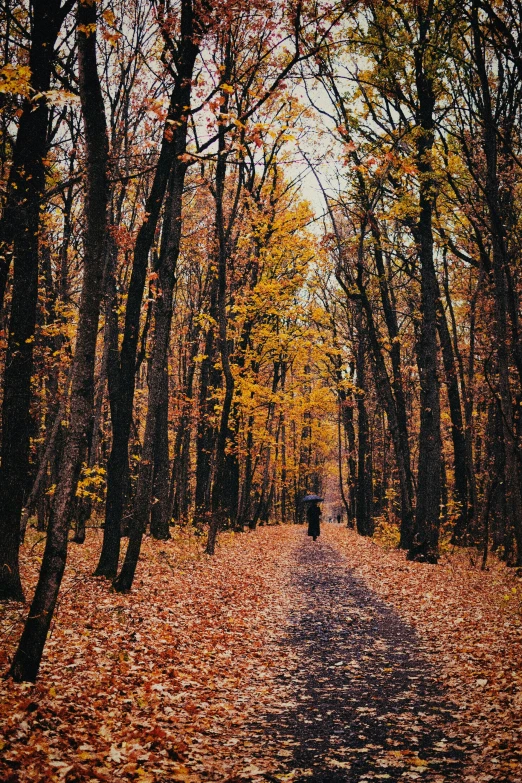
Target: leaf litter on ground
[(470, 622), (164, 684), (154, 685)]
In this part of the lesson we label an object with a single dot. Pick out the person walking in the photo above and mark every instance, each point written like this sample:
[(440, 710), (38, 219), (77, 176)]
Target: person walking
[(313, 515)]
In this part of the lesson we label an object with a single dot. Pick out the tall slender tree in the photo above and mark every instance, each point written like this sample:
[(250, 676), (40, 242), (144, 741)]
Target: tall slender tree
[(184, 50), (19, 232), (28, 655)]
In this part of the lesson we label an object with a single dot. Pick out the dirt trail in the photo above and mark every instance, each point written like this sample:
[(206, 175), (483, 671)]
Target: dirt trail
[(363, 703)]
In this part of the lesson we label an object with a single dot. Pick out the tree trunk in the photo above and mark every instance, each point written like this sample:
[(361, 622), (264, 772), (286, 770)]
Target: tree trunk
[(28, 655), (284, 479), (19, 230), (49, 450), (179, 483), (382, 380), (218, 502), (339, 463), (390, 390), (162, 321), (500, 271), (346, 408), (117, 467), (209, 379), (164, 303), (426, 534), (245, 508), (363, 515), (390, 317), (111, 534), (230, 491), (267, 450), (93, 439), (457, 425), (159, 514)]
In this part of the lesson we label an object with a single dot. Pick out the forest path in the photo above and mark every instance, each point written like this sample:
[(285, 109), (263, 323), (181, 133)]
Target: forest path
[(278, 659), (364, 701)]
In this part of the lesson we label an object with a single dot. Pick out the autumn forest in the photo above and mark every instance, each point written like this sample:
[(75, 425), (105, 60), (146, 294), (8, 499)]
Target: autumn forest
[(252, 250)]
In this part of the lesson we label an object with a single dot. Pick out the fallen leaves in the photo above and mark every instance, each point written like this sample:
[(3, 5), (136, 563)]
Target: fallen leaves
[(153, 685), (165, 684), (470, 631)]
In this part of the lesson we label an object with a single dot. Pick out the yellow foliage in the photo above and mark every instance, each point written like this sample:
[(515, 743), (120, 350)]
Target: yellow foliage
[(15, 79)]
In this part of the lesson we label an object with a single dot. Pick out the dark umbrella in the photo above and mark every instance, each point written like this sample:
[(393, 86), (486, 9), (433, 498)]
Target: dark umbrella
[(311, 499)]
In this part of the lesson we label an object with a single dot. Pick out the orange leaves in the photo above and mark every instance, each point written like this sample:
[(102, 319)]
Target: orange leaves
[(109, 32), (165, 684), (86, 29), (109, 17), (15, 79), (155, 685), (469, 631)]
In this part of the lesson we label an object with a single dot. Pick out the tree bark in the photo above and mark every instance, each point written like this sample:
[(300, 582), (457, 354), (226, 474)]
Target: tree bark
[(460, 462), (218, 501), (390, 317), (179, 484), (245, 506), (159, 513), (19, 238), (111, 535), (49, 450), (28, 655), (162, 321), (347, 409), (209, 379), (426, 533), (267, 450), (117, 467), (363, 515), (187, 53), (500, 270), (385, 391)]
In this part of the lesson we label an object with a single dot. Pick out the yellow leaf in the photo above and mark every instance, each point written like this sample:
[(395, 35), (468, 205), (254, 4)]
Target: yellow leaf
[(145, 777), (15, 79), (109, 16), (416, 762), (87, 29), (180, 774)]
